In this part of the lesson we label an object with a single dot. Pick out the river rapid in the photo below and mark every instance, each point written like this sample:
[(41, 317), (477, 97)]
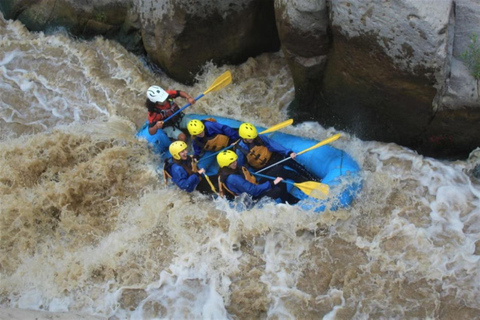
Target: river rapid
[(87, 225)]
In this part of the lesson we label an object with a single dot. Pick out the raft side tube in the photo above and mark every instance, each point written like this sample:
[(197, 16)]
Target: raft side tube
[(333, 166)]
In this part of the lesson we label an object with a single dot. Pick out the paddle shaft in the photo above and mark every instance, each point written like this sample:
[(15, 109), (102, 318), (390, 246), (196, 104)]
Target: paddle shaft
[(306, 187), (210, 182), (272, 178), (274, 128), (223, 80), (184, 107), (273, 165), (321, 143)]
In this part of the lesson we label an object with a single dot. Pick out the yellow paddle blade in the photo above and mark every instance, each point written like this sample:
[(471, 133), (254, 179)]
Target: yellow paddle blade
[(278, 126), (321, 143), (224, 80), (314, 189)]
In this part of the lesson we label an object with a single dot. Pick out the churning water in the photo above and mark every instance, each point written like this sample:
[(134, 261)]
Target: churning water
[(88, 226)]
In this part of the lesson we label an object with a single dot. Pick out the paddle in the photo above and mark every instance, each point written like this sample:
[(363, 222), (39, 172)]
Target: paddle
[(271, 129), (321, 143), (210, 183), (310, 188), (278, 126), (222, 81)]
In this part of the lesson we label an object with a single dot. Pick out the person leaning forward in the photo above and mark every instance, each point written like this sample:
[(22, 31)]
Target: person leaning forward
[(259, 151), (161, 105), (183, 171), (209, 135), (236, 180)]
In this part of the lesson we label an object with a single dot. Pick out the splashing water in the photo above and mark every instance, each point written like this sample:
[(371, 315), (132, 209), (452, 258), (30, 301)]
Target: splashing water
[(87, 225)]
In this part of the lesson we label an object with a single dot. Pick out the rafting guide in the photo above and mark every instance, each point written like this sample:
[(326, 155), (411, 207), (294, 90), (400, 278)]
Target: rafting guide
[(161, 106)]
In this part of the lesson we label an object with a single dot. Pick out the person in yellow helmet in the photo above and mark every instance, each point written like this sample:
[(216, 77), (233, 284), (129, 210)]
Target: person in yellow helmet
[(237, 180), (183, 171), (259, 151), (209, 135), (161, 105)]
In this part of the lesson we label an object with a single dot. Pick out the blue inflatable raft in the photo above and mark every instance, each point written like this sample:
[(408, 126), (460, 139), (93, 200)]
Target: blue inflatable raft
[(333, 166)]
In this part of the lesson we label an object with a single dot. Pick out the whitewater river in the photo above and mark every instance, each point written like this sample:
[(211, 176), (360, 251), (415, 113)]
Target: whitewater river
[(88, 226)]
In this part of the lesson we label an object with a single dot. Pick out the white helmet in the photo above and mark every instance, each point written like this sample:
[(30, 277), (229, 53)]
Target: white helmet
[(156, 94)]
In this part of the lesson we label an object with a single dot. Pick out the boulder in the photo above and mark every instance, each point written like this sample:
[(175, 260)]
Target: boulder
[(392, 72), (113, 19), (303, 31), (181, 36), (455, 129), (385, 61)]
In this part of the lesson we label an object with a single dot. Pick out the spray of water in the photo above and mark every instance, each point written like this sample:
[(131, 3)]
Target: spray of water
[(87, 224)]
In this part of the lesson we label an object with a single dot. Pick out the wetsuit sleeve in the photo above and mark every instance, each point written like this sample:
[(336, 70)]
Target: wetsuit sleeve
[(181, 178), (225, 130), (241, 161), (238, 184), (197, 150), (274, 146), (173, 93)]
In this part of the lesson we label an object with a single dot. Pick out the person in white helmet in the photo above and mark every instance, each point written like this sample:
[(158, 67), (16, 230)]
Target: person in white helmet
[(161, 105)]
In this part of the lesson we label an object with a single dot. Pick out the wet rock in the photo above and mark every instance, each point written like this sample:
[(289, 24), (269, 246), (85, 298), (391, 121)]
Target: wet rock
[(181, 35), (392, 74), (303, 31), (112, 19)]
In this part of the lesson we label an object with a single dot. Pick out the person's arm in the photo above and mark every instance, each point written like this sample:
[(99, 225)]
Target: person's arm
[(186, 96), (181, 178), (238, 184), (218, 128), (153, 129), (197, 149), (274, 146), (241, 160)]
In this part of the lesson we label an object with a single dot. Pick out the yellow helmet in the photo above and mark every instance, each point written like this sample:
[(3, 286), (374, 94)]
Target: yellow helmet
[(195, 127), (176, 147), (247, 131), (226, 158)]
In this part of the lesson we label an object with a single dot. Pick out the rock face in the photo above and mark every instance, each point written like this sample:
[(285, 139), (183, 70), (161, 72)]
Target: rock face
[(178, 35), (114, 19), (303, 31), (457, 122), (387, 65), (392, 72), (181, 35), (387, 70)]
